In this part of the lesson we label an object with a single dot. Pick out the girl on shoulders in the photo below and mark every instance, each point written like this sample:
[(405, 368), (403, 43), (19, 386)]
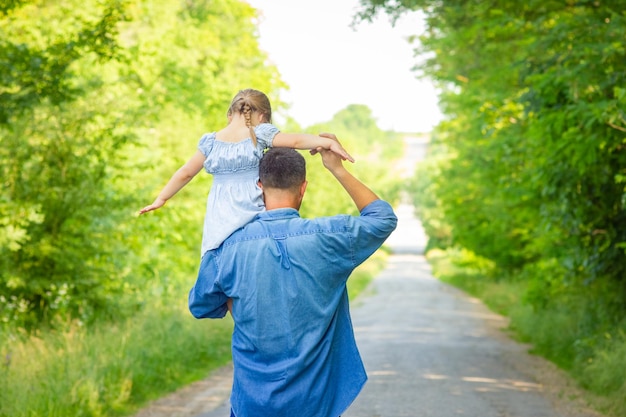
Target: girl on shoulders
[(232, 156)]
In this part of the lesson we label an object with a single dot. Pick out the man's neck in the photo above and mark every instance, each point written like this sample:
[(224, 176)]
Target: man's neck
[(277, 199), (280, 204)]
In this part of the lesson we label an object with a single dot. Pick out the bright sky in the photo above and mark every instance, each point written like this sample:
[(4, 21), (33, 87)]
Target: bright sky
[(328, 65)]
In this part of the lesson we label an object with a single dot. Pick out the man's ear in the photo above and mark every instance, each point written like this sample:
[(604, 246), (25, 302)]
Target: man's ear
[(303, 188), (260, 184)]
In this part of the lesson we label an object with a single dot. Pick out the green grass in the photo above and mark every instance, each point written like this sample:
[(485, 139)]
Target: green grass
[(468, 272), (113, 369), (108, 370)]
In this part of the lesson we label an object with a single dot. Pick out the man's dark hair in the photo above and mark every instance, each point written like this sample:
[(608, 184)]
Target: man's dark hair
[(282, 168)]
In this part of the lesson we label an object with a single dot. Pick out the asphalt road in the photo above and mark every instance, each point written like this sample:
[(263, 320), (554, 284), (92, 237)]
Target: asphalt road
[(428, 348)]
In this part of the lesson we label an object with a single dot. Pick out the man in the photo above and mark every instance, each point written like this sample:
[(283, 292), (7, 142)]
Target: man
[(293, 346)]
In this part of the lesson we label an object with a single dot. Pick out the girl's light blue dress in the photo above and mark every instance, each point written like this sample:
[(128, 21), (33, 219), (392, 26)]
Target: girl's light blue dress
[(235, 198)]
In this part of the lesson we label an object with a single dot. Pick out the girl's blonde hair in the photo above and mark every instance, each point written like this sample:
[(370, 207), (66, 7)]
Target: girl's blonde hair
[(249, 101)]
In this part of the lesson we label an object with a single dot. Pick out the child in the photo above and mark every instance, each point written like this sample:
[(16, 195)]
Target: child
[(232, 155)]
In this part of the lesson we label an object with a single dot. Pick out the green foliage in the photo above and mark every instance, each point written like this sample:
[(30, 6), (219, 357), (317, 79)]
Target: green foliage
[(100, 101), (92, 96), (61, 137), (67, 238), (536, 124), (37, 61), (607, 370), (528, 168), (375, 152), (423, 191)]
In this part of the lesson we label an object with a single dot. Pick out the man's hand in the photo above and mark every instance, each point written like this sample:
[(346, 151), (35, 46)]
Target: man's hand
[(332, 160), (359, 192)]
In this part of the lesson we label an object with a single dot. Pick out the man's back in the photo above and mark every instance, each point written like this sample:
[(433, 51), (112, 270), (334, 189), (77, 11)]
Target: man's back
[(284, 280), (293, 346)]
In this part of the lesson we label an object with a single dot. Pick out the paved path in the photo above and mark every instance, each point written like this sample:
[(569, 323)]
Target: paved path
[(429, 350)]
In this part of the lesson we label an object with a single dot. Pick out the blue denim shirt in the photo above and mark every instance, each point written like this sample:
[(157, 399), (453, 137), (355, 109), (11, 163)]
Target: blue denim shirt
[(293, 346)]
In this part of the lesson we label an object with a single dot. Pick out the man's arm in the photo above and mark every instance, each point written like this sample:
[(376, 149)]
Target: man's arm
[(206, 299), (377, 219), (359, 192)]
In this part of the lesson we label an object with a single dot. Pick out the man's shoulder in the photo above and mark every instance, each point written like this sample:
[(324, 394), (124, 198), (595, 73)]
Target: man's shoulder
[(261, 229), (265, 226)]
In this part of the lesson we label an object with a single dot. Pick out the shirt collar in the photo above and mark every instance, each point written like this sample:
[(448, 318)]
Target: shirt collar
[(278, 214)]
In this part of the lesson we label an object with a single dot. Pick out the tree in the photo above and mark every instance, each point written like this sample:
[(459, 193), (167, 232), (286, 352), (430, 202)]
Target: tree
[(530, 166), (534, 98), (92, 98), (375, 152)]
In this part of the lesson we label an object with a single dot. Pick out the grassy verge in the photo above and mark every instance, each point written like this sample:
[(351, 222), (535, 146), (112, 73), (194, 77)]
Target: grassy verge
[(560, 332), (461, 269), (108, 370), (114, 369)]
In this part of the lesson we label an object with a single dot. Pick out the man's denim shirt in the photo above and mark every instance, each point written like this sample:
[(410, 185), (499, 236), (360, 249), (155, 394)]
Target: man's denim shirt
[(293, 345)]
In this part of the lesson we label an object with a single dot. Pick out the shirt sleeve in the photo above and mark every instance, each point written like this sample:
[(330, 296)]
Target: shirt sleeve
[(370, 230), (206, 143), (206, 298), (265, 133)]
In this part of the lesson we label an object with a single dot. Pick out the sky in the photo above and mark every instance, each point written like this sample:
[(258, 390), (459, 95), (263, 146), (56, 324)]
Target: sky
[(328, 65)]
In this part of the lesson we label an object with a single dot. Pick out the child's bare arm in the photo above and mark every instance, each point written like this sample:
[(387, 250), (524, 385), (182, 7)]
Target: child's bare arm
[(308, 141), (180, 178)]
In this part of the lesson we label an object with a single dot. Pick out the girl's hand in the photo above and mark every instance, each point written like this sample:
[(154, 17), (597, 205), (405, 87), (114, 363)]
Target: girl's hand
[(158, 203), (335, 146), (339, 150)]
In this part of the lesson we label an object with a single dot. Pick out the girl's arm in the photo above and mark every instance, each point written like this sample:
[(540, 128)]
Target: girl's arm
[(177, 182), (307, 141)]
